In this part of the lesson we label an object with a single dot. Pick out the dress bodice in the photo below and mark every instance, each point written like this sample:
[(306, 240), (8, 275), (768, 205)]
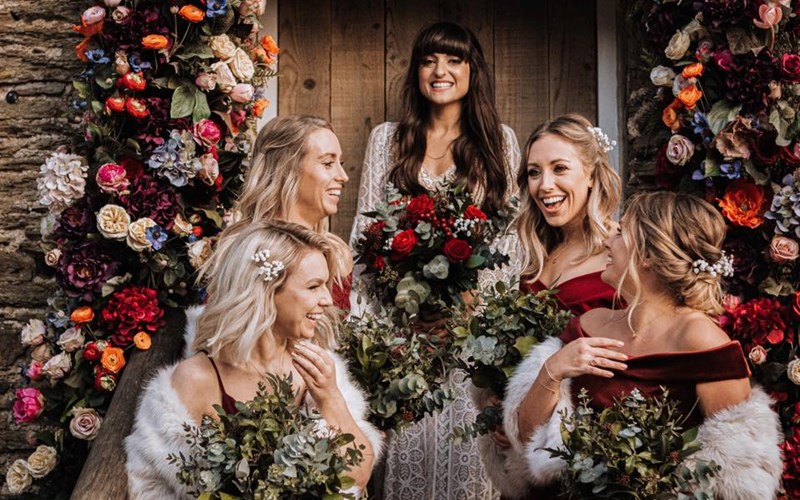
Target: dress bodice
[(579, 294)]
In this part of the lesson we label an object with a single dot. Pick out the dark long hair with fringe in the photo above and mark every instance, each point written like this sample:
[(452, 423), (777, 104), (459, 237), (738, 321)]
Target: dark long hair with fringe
[(478, 151)]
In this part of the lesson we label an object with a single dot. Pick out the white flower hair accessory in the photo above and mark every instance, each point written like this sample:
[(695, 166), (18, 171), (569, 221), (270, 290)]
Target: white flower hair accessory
[(723, 267), (606, 144), (269, 269)]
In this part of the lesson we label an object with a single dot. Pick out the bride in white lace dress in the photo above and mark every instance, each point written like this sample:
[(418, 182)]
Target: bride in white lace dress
[(450, 132)]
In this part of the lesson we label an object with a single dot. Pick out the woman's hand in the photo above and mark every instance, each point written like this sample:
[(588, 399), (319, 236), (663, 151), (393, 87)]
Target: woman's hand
[(586, 356), (317, 369)]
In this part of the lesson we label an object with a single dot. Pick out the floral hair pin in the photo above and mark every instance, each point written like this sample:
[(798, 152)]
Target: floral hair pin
[(724, 266), (606, 144), (269, 269)]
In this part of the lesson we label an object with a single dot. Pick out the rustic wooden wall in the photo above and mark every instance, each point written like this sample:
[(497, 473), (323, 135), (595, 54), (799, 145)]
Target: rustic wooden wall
[(345, 60), (36, 63)]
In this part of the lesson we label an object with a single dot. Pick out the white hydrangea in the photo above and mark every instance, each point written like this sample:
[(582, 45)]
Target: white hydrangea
[(62, 180)]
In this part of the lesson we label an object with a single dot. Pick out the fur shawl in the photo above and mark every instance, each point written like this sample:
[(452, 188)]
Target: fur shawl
[(158, 431), (742, 439)]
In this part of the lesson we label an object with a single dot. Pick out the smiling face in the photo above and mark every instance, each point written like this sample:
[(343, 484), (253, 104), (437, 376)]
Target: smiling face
[(558, 180), (443, 78), (302, 298), (320, 180), (618, 257)]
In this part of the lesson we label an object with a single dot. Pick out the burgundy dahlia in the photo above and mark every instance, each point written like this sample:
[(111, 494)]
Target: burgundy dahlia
[(84, 271), (151, 198), (664, 19)]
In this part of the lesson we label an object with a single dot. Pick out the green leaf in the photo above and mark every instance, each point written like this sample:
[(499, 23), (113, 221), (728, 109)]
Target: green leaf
[(213, 215), (83, 88), (760, 177), (525, 344), (474, 261), (711, 166), (199, 50), (721, 113), (781, 126), (183, 101), (201, 110)]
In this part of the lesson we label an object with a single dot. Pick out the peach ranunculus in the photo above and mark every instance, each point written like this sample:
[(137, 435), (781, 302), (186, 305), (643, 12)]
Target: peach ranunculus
[(689, 96), (743, 204), (142, 341), (769, 15), (783, 249), (670, 116), (192, 14), (113, 359), (155, 42), (83, 314), (693, 70)]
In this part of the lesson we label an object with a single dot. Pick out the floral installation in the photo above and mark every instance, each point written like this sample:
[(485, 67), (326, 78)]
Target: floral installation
[(635, 448), (167, 100), (402, 368), (425, 251), (269, 449), (727, 80), (492, 342)]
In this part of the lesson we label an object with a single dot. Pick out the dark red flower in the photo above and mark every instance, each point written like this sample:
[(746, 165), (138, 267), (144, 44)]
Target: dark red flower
[(149, 197), (788, 155), (756, 322), (403, 244), (790, 68), (420, 208), (105, 381), (379, 263), (457, 250), (136, 108), (749, 83), (791, 462), (75, 221), (473, 212), (133, 168), (91, 352), (130, 311), (85, 270)]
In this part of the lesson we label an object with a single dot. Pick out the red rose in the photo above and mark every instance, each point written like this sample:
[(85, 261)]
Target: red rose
[(457, 250), (91, 352), (131, 310), (420, 207), (403, 244), (790, 67), (473, 212)]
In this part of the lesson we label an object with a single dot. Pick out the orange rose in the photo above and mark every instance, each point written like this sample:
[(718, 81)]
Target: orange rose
[(113, 359), (191, 13), (155, 42), (743, 204), (670, 118), (268, 43), (259, 106), (142, 341), (693, 70), (689, 96), (83, 314)]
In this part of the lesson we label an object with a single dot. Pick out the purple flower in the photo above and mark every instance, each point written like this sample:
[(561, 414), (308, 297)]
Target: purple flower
[(85, 270), (701, 128), (136, 63), (746, 249), (749, 83), (97, 56), (732, 170), (664, 19), (158, 123), (153, 199), (215, 8), (727, 12), (156, 236), (75, 221)]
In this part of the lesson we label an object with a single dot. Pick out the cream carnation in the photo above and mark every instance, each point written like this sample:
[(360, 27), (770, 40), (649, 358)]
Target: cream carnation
[(137, 234), (18, 477), (113, 222), (62, 180), (85, 423), (678, 45), (225, 79), (33, 333), (42, 461), (53, 257), (180, 225)]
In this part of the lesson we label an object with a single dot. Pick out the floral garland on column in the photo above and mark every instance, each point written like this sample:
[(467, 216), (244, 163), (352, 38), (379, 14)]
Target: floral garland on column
[(168, 101), (727, 75)]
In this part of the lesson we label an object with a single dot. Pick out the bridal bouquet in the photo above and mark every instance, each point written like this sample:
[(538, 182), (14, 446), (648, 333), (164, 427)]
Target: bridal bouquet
[(632, 449), (270, 449), (428, 249), (491, 343), (401, 368)]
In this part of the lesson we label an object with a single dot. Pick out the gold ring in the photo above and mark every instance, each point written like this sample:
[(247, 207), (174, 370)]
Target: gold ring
[(593, 362)]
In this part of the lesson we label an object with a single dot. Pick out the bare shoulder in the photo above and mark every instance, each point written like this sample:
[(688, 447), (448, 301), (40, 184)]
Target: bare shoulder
[(196, 383), (698, 332)]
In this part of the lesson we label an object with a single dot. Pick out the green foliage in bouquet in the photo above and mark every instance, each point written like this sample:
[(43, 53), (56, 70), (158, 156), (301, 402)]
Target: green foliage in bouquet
[(401, 368), (634, 449), (270, 449), (494, 341)]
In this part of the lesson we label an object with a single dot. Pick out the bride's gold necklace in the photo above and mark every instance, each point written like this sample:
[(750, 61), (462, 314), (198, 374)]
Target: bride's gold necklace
[(446, 150)]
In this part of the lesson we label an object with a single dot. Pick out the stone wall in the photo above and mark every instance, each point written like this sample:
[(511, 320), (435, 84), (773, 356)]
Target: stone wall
[(37, 65)]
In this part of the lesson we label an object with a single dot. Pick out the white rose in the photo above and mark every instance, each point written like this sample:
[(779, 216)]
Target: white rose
[(18, 477), (662, 76), (225, 79), (242, 66), (52, 257), (71, 340), (222, 47), (679, 150), (199, 252), (137, 234), (33, 333), (113, 222), (678, 45), (58, 366), (42, 353), (793, 371), (42, 461), (85, 423)]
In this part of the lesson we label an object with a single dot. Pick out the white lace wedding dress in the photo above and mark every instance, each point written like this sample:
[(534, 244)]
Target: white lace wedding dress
[(422, 463)]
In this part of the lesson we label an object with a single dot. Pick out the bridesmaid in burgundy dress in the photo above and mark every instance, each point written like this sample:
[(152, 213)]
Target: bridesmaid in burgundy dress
[(667, 263), (569, 192)]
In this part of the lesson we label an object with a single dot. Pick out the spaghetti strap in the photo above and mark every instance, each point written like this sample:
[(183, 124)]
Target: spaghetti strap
[(228, 403)]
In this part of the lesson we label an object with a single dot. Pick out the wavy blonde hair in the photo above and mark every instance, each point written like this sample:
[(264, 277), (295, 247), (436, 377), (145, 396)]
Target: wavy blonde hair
[(271, 185), (667, 232), (241, 305), (537, 237)]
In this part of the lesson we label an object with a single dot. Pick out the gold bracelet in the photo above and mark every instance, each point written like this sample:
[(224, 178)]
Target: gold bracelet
[(554, 391), (547, 371)]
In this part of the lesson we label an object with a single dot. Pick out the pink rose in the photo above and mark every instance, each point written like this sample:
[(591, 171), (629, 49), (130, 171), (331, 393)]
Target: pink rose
[(121, 15), (34, 370), (85, 423), (790, 67), (758, 355), (242, 92), (783, 249), (769, 14), (111, 178), (93, 15), (206, 81), (679, 150), (206, 132), (28, 405)]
